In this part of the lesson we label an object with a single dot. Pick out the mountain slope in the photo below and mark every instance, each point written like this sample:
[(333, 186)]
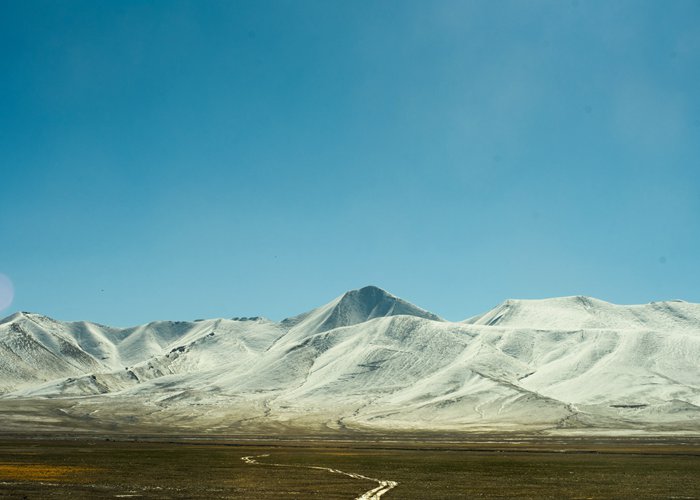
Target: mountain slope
[(35, 348)]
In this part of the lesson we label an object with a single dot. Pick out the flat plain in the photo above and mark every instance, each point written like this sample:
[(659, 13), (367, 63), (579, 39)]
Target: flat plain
[(425, 467)]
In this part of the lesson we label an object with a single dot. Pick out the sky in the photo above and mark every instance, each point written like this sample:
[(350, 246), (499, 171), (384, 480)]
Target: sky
[(182, 160)]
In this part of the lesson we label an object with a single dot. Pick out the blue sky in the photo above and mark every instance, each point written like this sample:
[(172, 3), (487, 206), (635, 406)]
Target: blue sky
[(177, 160)]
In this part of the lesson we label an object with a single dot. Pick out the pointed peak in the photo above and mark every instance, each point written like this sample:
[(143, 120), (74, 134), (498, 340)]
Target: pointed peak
[(22, 320), (373, 289), (369, 292), (373, 299), (20, 315), (12, 317), (357, 306)]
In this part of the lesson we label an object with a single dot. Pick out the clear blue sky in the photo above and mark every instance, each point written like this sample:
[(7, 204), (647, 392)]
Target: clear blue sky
[(176, 160)]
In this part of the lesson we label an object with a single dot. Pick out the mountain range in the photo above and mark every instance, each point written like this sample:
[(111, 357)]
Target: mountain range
[(368, 362)]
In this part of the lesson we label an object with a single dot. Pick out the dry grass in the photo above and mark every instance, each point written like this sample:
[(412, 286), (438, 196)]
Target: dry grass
[(448, 469), (42, 472)]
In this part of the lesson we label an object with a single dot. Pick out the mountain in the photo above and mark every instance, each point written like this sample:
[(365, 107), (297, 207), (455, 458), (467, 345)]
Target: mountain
[(365, 361)]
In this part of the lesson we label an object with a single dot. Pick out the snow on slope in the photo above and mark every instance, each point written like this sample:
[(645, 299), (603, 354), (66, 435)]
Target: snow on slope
[(572, 313), (34, 348), (197, 348), (370, 360)]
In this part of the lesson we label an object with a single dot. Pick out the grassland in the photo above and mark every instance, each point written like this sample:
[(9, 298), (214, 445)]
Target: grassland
[(425, 468)]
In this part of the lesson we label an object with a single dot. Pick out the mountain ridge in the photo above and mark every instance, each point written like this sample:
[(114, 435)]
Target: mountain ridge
[(289, 319), (369, 360)]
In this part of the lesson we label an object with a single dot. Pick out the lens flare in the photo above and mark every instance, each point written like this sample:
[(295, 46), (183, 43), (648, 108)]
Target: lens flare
[(7, 292)]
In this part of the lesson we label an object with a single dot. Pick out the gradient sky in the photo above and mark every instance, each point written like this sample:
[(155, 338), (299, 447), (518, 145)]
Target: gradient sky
[(178, 160)]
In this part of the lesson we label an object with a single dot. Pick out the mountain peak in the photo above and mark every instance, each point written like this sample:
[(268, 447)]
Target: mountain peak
[(20, 315), (358, 306), (369, 293)]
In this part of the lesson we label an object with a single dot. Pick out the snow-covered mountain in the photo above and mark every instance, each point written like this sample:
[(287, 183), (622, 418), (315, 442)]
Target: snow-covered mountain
[(367, 361)]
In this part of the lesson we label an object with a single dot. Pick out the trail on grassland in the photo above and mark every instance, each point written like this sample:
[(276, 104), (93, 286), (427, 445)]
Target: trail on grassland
[(374, 494)]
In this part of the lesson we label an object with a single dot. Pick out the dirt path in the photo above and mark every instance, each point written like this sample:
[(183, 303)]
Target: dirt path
[(374, 494)]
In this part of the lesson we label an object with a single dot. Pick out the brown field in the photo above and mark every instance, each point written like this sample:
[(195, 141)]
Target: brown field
[(425, 468)]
